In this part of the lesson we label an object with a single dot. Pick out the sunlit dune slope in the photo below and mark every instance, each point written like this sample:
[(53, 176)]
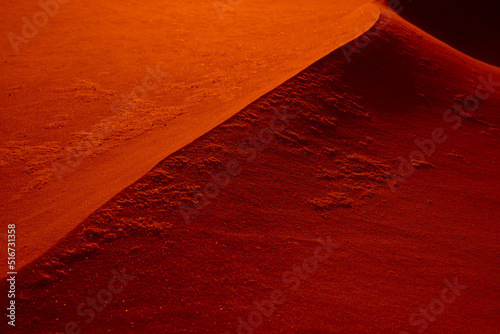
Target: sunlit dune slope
[(58, 95), (323, 173)]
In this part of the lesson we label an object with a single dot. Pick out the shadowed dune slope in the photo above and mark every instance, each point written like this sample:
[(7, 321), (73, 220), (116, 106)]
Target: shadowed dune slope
[(55, 104), (322, 175), (470, 26)]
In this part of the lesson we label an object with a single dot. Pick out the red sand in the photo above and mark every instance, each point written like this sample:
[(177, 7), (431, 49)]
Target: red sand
[(215, 69), (321, 175)]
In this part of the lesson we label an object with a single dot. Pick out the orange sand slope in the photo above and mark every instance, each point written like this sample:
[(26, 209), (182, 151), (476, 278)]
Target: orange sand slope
[(60, 93), (248, 261)]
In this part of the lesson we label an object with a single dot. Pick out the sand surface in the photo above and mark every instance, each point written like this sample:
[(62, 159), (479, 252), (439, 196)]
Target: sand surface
[(394, 251), (57, 90)]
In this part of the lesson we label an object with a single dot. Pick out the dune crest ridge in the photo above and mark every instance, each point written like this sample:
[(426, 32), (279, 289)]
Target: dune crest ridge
[(319, 173), (48, 211)]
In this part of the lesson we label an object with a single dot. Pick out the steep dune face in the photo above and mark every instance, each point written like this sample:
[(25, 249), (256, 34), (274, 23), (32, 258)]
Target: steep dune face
[(310, 211), (69, 140)]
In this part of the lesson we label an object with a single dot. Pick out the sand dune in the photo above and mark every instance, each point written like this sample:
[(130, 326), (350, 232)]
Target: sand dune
[(223, 235), (469, 27), (214, 68)]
